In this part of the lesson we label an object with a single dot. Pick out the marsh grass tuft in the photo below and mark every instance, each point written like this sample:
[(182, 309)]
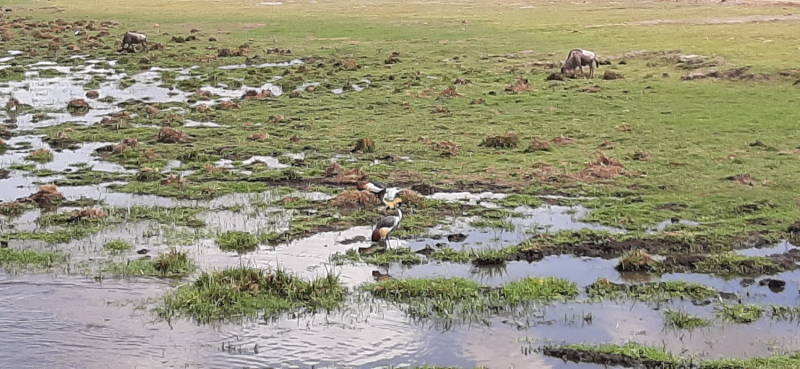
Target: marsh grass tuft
[(117, 245), (241, 242), (740, 313), (172, 264), (237, 293), (539, 289), (38, 259), (682, 320), (603, 288)]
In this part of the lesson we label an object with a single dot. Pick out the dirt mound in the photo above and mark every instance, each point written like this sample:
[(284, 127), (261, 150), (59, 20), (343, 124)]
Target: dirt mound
[(363, 145), (520, 85), (537, 145), (603, 168), (352, 199), (256, 95), (337, 174), (450, 92), (446, 148), (172, 135), (730, 74), (87, 214), (78, 106), (562, 141), (47, 196), (611, 75), (92, 94), (507, 140), (259, 137), (742, 179)]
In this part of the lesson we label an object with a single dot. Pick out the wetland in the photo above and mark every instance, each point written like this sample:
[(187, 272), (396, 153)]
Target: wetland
[(196, 204)]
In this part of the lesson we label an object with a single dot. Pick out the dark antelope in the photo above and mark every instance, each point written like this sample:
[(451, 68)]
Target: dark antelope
[(133, 38), (578, 59)]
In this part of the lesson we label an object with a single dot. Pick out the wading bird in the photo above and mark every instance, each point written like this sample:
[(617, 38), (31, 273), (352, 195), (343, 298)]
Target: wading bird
[(381, 190), (388, 224)]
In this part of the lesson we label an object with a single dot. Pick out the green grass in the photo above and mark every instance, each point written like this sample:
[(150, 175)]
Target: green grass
[(40, 156), (776, 361), (241, 242), (233, 294), (492, 223), (740, 313), (603, 289), (402, 255), (117, 245), (631, 350), (539, 289), (433, 288), (682, 320), (515, 200), (172, 264), (30, 258)]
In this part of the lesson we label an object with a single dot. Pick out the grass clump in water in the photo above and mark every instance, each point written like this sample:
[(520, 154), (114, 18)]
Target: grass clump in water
[(402, 255), (657, 291), (740, 313), (682, 320), (40, 259), (173, 264), (240, 242), (775, 361), (427, 288), (516, 200), (236, 293), (492, 223), (117, 245), (630, 353), (733, 264), (40, 156), (539, 289)]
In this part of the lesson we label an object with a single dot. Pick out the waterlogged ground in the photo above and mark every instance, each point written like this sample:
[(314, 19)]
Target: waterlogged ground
[(196, 205)]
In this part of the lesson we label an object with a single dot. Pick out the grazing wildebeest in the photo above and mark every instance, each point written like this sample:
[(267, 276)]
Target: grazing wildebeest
[(578, 59), (132, 38)]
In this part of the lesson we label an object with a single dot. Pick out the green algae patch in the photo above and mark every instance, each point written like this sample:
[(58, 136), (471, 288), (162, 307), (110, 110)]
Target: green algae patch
[(237, 293)]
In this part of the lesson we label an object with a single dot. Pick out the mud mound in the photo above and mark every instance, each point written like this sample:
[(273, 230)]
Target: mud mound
[(47, 196), (363, 145), (562, 141), (537, 145), (742, 179), (336, 174), (446, 148), (520, 85), (87, 214), (507, 140), (730, 74), (172, 135), (611, 75), (353, 199), (579, 356), (256, 95), (78, 106)]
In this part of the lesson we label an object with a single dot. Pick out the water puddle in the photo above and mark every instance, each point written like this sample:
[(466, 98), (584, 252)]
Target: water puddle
[(290, 63)]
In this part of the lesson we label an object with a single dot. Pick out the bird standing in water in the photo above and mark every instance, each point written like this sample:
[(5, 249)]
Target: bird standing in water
[(388, 224)]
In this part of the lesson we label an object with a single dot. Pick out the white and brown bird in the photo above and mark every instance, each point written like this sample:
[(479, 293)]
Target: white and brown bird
[(380, 190), (388, 224)]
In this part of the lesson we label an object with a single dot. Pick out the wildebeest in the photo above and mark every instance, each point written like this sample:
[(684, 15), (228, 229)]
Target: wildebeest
[(578, 59), (133, 38)]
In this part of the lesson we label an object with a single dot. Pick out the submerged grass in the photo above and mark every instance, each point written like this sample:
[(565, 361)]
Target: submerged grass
[(629, 353), (237, 293), (117, 245)]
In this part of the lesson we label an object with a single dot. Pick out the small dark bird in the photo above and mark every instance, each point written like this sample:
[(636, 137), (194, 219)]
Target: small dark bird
[(388, 224), (380, 276)]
